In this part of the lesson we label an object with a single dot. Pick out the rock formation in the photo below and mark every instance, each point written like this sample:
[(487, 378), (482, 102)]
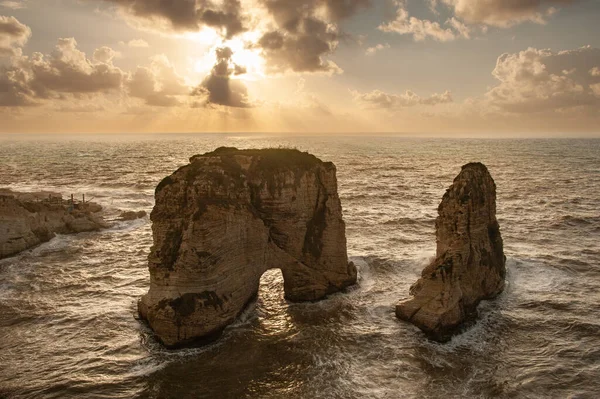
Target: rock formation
[(220, 222), (29, 219), (470, 262), (131, 215)]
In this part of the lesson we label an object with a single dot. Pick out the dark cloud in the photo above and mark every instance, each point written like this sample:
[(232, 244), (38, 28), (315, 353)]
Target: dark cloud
[(67, 71), (14, 90), (218, 87), (187, 15), (305, 32), (289, 12), (13, 35), (300, 50), (339, 9), (301, 34)]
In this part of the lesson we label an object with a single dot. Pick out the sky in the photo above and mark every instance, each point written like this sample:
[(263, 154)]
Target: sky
[(422, 67)]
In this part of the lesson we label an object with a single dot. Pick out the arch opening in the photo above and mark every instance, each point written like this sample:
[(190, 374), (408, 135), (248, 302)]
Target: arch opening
[(272, 309)]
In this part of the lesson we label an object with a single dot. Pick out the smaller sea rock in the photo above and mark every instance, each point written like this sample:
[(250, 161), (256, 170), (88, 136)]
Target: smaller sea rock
[(132, 215), (84, 222), (470, 262)]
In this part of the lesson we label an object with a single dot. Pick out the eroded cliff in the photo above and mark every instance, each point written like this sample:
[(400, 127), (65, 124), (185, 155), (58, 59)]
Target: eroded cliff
[(220, 222), (470, 262)]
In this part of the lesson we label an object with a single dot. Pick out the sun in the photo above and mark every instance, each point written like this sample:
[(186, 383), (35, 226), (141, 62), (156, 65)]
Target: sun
[(248, 57), (245, 53)]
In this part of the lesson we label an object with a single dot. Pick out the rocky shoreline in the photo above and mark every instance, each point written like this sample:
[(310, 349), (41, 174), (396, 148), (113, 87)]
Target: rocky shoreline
[(30, 219)]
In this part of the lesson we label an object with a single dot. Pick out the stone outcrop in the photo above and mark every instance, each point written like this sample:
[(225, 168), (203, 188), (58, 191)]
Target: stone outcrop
[(470, 262), (29, 219), (220, 222), (131, 215)]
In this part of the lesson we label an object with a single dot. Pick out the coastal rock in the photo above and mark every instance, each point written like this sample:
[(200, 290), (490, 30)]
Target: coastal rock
[(220, 222), (470, 262), (29, 219), (131, 215)]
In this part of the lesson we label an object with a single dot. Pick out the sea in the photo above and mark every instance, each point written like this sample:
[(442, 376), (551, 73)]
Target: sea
[(68, 322)]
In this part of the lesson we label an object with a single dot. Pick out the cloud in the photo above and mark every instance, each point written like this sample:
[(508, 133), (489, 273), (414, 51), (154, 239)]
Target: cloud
[(374, 49), (185, 15), (504, 13), (80, 108), (460, 28), (296, 36), (136, 43), (66, 71), (219, 88), (303, 32), (13, 35), (470, 15), (421, 29), (68, 74), (289, 13), (105, 55), (543, 80), (301, 50), (13, 4), (341, 9), (158, 85), (378, 99)]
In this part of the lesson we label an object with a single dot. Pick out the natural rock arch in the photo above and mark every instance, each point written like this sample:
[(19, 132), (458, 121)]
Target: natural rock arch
[(220, 222)]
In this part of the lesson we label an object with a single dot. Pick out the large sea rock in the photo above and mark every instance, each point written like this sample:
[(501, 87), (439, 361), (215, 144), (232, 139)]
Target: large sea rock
[(470, 262), (220, 222), (29, 219)]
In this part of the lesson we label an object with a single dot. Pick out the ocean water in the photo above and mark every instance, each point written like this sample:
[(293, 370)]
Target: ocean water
[(68, 326)]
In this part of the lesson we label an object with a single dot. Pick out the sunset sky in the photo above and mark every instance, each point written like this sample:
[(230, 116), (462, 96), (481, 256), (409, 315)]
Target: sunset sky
[(435, 67)]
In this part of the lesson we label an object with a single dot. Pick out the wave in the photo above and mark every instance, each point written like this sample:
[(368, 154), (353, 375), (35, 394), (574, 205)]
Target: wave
[(579, 220), (428, 222)]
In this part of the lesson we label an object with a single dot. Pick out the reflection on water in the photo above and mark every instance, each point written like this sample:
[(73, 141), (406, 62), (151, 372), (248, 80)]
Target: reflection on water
[(67, 308), (273, 315)]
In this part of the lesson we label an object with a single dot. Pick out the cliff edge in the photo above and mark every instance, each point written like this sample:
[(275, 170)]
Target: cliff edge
[(220, 222), (470, 262)]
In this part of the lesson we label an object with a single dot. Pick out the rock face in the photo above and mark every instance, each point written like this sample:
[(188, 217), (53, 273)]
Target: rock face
[(220, 222), (26, 220), (470, 262)]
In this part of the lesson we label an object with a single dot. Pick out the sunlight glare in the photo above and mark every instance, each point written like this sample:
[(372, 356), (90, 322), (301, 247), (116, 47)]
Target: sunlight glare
[(244, 53), (248, 57), (207, 36)]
